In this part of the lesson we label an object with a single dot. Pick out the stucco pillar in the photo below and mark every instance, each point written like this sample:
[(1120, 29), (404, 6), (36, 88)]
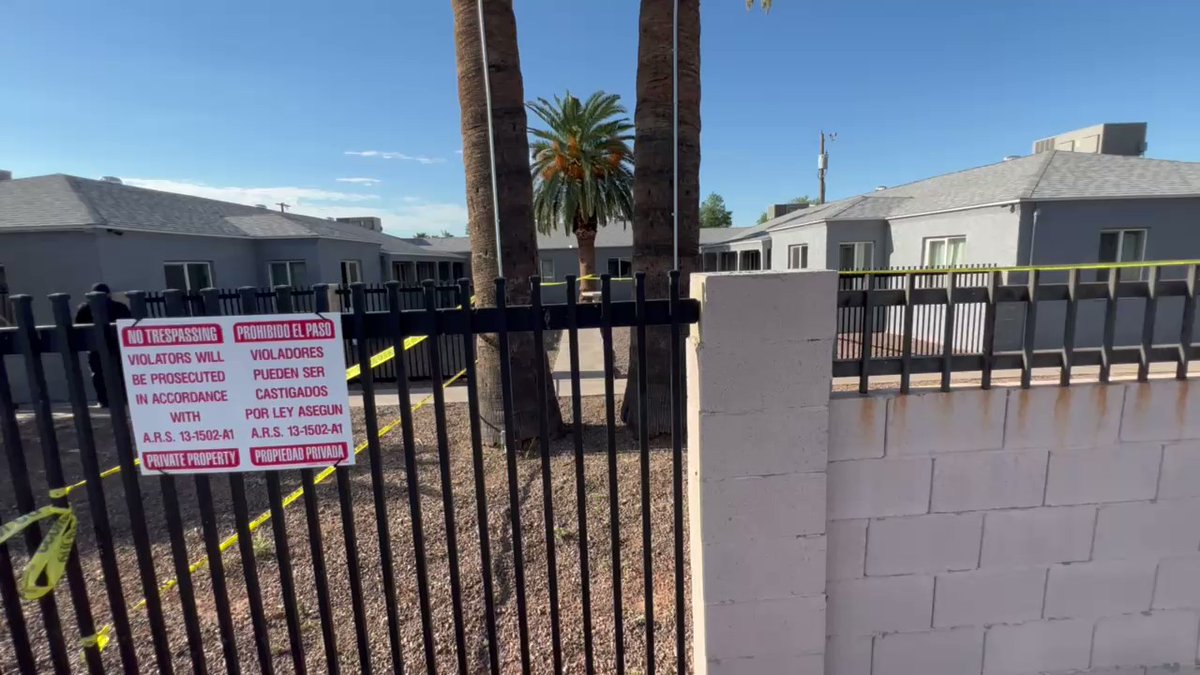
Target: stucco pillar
[(758, 413)]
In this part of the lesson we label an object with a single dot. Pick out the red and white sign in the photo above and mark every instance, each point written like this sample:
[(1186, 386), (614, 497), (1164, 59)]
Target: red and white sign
[(237, 393)]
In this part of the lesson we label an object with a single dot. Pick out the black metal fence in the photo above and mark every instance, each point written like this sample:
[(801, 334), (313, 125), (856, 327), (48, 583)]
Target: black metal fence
[(150, 571), (928, 320), (412, 296), (1017, 319)]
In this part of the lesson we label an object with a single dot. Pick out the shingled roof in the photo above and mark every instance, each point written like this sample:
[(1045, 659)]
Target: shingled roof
[(59, 202), (1050, 175)]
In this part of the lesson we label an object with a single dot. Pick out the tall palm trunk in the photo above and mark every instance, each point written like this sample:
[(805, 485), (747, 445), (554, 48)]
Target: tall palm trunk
[(653, 233), (585, 236), (515, 189)]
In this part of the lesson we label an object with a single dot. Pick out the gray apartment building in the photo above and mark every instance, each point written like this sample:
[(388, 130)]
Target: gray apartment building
[(1052, 207), (63, 233)]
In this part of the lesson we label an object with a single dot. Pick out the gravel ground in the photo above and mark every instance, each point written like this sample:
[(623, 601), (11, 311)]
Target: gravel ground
[(566, 534)]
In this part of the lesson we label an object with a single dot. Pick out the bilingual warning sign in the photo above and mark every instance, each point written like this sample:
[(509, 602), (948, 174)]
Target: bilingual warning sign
[(237, 393)]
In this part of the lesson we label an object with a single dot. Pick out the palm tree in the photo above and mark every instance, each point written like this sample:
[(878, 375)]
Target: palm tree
[(582, 173), (514, 188), (652, 188), (653, 228)]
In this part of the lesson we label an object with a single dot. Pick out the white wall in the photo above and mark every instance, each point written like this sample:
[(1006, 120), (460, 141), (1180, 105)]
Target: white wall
[(814, 235), (1050, 530), (992, 232)]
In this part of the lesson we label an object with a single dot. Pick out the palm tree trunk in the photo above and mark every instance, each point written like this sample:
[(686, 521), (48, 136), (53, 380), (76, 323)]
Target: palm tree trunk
[(653, 232), (585, 236), (515, 189)]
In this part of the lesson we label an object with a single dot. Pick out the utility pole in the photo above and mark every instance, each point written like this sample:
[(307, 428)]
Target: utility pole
[(823, 166), (284, 207)]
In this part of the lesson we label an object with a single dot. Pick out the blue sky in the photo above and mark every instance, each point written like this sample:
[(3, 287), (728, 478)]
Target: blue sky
[(262, 102)]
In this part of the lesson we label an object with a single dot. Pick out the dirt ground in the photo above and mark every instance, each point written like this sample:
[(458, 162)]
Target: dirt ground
[(566, 530)]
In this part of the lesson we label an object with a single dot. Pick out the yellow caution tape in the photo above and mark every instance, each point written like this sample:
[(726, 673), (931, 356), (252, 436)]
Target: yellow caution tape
[(351, 373), (50, 558), (1041, 268), (111, 471), (99, 640), (385, 356), (590, 277)]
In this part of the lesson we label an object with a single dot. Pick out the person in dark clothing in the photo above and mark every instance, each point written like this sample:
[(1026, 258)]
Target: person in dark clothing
[(116, 310)]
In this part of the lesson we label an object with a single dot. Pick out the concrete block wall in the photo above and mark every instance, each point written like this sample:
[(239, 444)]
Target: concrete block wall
[(1014, 532), (757, 458), (1048, 531)]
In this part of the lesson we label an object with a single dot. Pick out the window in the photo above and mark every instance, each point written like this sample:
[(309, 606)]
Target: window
[(188, 276), (856, 255), (1122, 246), (727, 261), (351, 272), (459, 271), (798, 257), (547, 269), (443, 270), (5, 311), (750, 260), (426, 270), (288, 273), (710, 262), (404, 271), (620, 267), (943, 252)]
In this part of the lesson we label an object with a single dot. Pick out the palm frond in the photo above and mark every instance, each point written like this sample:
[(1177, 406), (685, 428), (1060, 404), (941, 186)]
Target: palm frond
[(581, 160)]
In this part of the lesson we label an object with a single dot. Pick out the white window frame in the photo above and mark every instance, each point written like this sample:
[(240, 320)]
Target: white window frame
[(744, 258), (945, 240), (542, 269), (187, 278), (349, 264), (797, 257), (290, 275), (1125, 274), (864, 255)]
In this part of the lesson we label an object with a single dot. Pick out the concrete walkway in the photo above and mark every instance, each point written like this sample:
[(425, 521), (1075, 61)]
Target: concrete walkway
[(591, 366), (591, 376)]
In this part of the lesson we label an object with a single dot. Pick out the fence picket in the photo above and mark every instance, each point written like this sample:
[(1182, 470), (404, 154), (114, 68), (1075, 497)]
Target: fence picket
[(372, 318)]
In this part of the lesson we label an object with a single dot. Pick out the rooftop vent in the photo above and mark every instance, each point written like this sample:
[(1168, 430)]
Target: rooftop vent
[(1009, 158), (112, 179), (880, 187), (777, 210), (5, 175), (371, 223)]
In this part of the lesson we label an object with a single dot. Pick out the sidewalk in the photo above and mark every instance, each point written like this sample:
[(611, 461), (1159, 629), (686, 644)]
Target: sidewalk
[(591, 376), (591, 367)]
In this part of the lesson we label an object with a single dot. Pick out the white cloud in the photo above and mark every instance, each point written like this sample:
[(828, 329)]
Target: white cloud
[(295, 196), (360, 181), (411, 214), (419, 159)]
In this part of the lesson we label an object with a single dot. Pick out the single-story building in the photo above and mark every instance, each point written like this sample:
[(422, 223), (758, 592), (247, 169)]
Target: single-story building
[(63, 233), (1054, 207), (1050, 208)]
